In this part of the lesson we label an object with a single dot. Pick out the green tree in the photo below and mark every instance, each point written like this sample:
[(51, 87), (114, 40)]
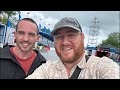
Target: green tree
[(9, 14), (113, 39)]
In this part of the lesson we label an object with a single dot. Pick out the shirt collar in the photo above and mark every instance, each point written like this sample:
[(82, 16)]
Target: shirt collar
[(82, 63)]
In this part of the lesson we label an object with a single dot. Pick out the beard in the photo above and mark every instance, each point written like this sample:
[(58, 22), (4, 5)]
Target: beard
[(73, 58)]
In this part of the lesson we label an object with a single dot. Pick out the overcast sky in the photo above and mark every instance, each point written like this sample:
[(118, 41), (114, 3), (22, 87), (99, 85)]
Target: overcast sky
[(109, 21)]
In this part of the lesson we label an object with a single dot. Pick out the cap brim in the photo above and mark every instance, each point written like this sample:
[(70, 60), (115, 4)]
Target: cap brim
[(53, 32)]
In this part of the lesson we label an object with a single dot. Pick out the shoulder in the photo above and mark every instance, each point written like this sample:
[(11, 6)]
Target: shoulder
[(103, 67), (49, 64), (93, 59), (6, 48), (104, 61), (98, 59), (5, 52), (43, 71), (107, 62)]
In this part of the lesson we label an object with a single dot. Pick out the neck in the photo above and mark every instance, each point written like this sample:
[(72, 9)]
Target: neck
[(21, 54), (69, 66)]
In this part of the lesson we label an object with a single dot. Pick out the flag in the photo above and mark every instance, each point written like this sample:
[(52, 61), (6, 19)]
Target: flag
[(8, 22), (39, 27), (49, 31), (47, 48), (44, 30), (19, 17)]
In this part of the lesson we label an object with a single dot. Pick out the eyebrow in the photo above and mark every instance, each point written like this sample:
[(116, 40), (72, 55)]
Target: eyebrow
[(72, 31), (28, 32)]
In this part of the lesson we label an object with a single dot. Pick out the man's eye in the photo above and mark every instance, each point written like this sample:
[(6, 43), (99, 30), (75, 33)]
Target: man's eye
[(58, 37), (31, 34), (71, 35)]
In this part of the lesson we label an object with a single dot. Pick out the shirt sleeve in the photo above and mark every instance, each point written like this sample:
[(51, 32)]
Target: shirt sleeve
[(108, 69)]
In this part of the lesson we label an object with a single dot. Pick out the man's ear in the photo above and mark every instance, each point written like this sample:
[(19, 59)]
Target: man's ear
[(83, 36), (14, 34), (38, 37)]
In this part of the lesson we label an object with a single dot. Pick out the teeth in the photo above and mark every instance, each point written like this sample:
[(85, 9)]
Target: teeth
[(25, 44), (66, 48)]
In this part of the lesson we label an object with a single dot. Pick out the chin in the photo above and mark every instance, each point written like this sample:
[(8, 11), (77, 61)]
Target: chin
[(25, 49), (67, 58)]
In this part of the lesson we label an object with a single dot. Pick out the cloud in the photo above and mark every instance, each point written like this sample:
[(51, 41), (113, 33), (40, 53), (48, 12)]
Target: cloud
[(108, 20)]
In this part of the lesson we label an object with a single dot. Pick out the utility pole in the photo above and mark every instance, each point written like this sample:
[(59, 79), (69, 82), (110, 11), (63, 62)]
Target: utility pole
[(93, 33)]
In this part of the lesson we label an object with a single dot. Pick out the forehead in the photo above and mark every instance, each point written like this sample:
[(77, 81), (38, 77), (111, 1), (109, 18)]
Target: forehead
[(65, 30), (27, 25), (26, 22)]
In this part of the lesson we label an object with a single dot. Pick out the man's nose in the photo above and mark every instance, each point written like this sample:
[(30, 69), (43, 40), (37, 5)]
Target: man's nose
[(26, 37), (65, 40)]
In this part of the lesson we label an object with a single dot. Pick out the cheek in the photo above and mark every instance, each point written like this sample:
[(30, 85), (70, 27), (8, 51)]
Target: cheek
[(34, 40), (18, 38), (57, 47), (78, 45)]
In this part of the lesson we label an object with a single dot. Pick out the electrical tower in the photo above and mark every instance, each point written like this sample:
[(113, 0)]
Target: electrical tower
[(93, 33)]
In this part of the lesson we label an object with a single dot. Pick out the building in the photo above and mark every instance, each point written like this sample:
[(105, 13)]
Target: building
[(91, 50)]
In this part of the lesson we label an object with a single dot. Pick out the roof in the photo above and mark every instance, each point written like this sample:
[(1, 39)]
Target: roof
[(91, 48), (47, 36), (108, 46), (112, 48)]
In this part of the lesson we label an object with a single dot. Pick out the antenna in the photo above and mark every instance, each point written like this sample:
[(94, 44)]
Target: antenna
[(93, 33)]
